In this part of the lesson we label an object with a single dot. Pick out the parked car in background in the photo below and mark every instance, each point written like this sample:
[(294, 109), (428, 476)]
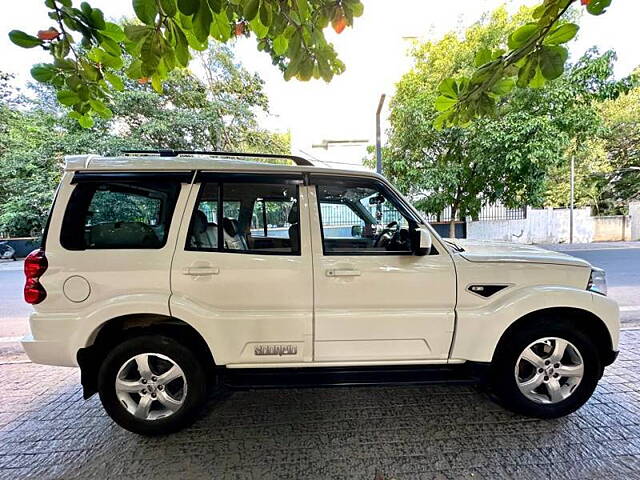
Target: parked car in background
[(7, 252), (163, 274)]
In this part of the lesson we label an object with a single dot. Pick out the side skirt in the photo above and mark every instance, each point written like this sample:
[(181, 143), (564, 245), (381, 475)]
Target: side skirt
[(466, 373)]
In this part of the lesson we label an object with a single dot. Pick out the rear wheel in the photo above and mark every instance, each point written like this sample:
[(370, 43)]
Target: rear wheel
[(152, 385), (546, 371)]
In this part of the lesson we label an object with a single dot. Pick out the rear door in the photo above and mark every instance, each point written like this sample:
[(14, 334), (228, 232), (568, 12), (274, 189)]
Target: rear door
[(242, 273)]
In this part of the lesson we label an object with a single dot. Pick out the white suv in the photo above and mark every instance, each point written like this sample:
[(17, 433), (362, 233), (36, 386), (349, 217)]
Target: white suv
[(161, 275)]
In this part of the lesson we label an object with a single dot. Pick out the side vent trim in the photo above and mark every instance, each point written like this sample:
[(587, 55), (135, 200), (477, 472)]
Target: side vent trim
[(485, 291)]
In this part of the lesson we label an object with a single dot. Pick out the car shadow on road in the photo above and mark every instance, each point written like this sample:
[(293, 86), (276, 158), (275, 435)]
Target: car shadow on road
[(433, 431)]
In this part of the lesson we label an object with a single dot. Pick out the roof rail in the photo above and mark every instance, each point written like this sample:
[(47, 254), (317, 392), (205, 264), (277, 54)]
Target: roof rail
[(174, 153)]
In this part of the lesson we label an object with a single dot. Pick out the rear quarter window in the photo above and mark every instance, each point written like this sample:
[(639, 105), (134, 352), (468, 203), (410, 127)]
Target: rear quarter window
[(112, 215)]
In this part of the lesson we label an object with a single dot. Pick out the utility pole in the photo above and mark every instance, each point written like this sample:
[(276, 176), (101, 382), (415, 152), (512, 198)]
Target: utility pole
[(571, 197), (378, 141)]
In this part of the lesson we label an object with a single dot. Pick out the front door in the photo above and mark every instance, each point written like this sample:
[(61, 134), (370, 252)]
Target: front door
[(374, 299), (242, 270)]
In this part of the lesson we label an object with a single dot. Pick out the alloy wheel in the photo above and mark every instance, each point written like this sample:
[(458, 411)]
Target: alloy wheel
[(151, 386), (549, 370)]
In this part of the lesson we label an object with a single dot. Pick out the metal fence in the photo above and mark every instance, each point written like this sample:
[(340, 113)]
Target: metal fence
[(488, 212)]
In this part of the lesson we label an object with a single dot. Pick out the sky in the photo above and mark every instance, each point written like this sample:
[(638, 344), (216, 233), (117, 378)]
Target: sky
[(375, 52)]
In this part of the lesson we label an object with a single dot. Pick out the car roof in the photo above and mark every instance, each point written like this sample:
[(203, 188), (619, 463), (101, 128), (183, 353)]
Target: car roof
[(196, 162)]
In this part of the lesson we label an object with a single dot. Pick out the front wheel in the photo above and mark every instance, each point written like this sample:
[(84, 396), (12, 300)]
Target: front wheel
[(546, 371), (152, 385)]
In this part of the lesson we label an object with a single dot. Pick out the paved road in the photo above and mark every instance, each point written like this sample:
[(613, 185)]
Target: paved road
[(431, 432)]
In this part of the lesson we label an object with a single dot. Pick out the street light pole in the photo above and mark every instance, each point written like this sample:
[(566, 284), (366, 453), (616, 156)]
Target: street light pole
[(378, 141), (571, 197)]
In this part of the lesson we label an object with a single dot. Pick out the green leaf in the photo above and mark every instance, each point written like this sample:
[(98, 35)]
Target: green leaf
[(443, 103), (251, 9), (265, 14), (169, 7), (504, 86), (113, 31), (220, 27), (135, 70), (357, 8), (24, 40), (561, 34), (280, 45), (538, 80), (100, 108), (258, 28), (156, 83), (482, 57), (522, 35), (597, 7), (215, 5), (97, 18), (448, 88), (68, 97), (527, 71), (182, 48), (150, 54), (442, 120), (85, 121), (135, 33), (43, 72), (146, 10), (202, 22), (115, 81), (188, 7), (552, 60), (303, 8)]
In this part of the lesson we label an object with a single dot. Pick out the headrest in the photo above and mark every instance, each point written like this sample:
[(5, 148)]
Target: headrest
[(200, 222), (293, 213), (230, 226)]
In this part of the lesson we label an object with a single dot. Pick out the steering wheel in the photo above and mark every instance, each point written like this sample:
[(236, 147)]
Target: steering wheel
[(386, 235), (399, 241)]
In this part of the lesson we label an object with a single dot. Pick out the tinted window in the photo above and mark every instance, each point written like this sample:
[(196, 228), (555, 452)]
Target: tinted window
[(255, 217), (118, 215), (360, 217)]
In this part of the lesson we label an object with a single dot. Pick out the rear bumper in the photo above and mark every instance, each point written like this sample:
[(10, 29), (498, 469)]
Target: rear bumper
[(47, 352), (52, 340)]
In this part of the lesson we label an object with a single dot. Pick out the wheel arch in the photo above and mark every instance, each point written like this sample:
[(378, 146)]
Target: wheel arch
[(117, 329), (573, 317)]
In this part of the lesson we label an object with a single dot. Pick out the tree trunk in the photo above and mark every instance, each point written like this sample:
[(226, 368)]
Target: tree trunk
[(452, 222)]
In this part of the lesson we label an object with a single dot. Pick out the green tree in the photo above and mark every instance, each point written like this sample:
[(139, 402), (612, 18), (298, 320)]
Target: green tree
[(591, 93), (622, 143), (217, 113), (495, 159)]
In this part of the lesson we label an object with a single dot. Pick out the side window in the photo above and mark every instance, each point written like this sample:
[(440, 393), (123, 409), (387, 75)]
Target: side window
[(118, 215), (359, 217), (255, 218)]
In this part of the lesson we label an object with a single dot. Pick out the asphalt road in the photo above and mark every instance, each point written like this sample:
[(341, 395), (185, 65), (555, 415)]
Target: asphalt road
[(620, 260)]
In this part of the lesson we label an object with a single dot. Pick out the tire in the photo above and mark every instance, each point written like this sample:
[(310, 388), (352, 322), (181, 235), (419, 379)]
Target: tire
[(556, 395), (176, 402)]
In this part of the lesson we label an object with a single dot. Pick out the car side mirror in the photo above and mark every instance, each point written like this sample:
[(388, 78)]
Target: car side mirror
[(356, 231), (422, 241)]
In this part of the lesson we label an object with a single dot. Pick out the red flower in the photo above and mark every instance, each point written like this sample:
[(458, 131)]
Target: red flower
[(585, 2)]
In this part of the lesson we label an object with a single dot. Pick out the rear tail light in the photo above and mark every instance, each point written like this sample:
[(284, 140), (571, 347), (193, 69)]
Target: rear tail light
[(34, 266)]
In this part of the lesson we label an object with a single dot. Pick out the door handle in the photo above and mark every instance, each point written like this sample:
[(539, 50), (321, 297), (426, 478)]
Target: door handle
[(200, 271), (337, 272)]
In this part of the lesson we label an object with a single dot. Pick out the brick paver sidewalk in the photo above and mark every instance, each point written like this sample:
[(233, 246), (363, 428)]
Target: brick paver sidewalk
[(445, 431)]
